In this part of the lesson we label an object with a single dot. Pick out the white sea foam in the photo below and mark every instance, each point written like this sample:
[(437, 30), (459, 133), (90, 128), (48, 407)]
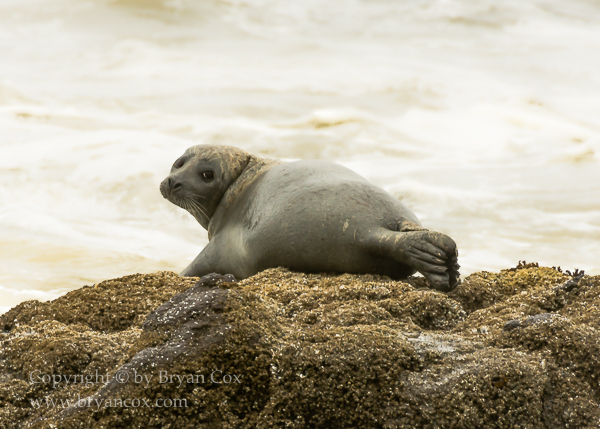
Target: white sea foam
[(482, 117)]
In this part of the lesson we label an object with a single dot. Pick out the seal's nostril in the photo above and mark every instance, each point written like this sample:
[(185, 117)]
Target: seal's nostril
[(173, 186)]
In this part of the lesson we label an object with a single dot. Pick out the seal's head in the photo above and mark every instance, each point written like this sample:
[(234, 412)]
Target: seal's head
[(201, 176)]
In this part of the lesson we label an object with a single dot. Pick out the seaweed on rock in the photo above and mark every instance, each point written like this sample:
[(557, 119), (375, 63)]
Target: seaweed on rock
[(517, 348)]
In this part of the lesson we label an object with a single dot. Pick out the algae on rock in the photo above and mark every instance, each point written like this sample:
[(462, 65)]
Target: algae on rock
[(517, 348)]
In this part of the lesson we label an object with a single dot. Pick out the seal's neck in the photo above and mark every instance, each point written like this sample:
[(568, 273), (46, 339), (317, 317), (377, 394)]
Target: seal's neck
[(254, 168)]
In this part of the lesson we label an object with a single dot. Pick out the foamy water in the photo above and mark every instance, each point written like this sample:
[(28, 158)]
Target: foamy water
[(483, 117)]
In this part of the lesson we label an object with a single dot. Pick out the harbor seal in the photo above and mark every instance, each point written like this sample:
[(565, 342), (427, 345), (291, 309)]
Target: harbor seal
[(310, 216)]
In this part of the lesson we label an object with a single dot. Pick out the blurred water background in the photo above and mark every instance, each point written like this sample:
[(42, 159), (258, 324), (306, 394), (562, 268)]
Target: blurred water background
[(483, 117)]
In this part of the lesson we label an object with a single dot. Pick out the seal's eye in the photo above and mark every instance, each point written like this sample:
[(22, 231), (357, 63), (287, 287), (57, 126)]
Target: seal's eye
[(208, 175), (179, 163)]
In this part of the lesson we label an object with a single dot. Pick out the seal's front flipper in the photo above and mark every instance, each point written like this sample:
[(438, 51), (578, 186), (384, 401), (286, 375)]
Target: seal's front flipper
[(433, 254), (205, 263)]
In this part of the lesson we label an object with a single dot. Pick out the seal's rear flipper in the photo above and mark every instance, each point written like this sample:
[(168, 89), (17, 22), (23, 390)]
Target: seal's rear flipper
[(453, 273), (431, 253)]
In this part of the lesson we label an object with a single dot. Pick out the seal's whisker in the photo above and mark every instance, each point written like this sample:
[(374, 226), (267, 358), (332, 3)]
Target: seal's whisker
[(199, 208), (188, 204), (176, 201), (203, 211), (192, 197)]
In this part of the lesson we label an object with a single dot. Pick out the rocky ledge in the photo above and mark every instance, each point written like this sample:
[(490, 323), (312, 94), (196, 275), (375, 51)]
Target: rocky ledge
[(519, 348)]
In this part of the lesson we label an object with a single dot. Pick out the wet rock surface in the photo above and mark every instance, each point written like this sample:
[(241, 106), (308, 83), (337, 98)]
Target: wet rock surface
[(519, 348)]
